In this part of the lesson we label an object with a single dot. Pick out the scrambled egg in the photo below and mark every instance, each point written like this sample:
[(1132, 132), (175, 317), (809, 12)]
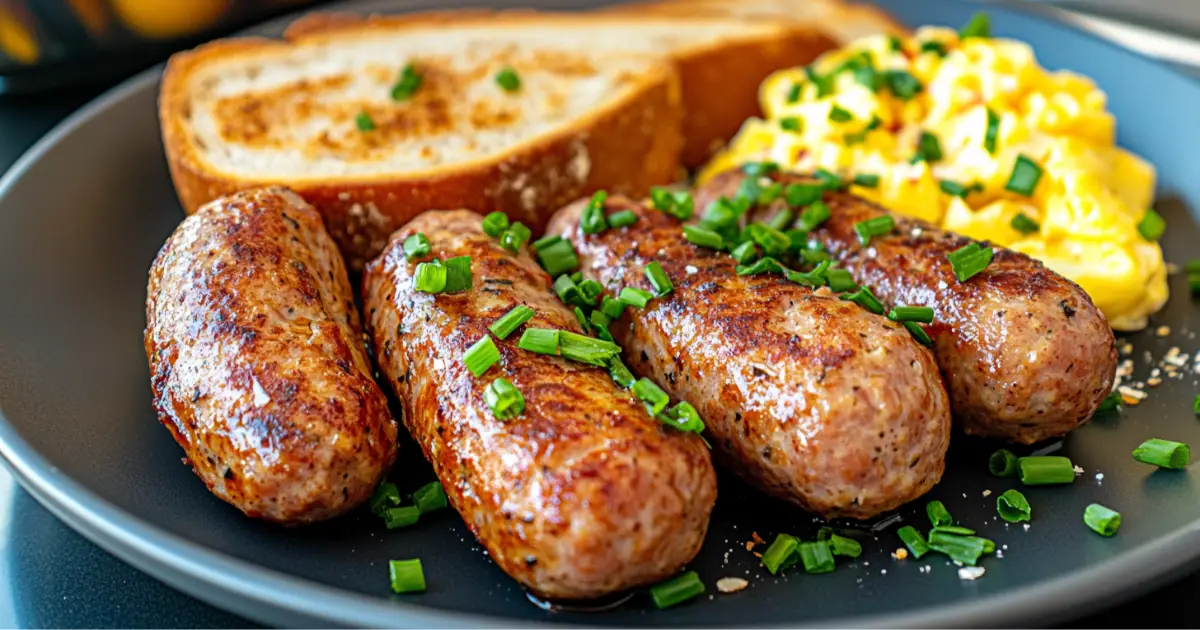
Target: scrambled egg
[(933, 126)]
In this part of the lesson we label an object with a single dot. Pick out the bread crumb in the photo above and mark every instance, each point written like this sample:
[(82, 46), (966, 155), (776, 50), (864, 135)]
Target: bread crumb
[(757, 554), (749, 545), (1163, 331), (731, 584), (1078, 469), (971, 573), (987, 493), (900, 553)]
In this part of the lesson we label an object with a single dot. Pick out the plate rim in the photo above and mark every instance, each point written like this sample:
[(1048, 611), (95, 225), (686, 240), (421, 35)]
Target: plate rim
[(268, 595)]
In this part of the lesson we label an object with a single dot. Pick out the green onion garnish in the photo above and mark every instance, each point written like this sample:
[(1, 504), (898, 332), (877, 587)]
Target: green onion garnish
[(648, 392), (895, 44), (953, 529), (837, 114), (495, 223), (546, 241), (845, 547), (580, 317), (1024, 224), (1194, 283), (385, 496), (1163, 453), (482, 355), (929, 148), (590, 290), (407, 84), (904, 85), (1002, 463), (683, 416), (875, 226), (1196, 405), (969, 260), (658, 279), (431, 496), (790, 123), (780, 551), (814, 278), (511, 321), (621, 374), (1192, 266), (782, 219), (679, 205), (539, 340), (635, 297), (762, 265), (1112, 402), (557, 258), (1152, 226), (504, 399), (824, 83), (430, 277), (913, 540), (508, 80), (458, 274), (936, 511), (829, 180), (866, 76), (922, 314), (567, 290), (866, 180), (817, 557), (744, 253), (793, 94), (918, 333), (866, 299), (875, 123), (395, 518), (771, 240), (954, 189), (1024, 177), (964, 549), (798, 195), (514, 237), (676, 590), (1102, 520), (814, 215), (979, 26), (622, 218), (364, 122), (612, 307), (935, 47), (857, 137), (599, 322), (840, 280), (593, 219), (407, 576), (703, 237), (760, 169), (993, 131), (1045, 470), (1013, 507), (586, 349), (416, 246)]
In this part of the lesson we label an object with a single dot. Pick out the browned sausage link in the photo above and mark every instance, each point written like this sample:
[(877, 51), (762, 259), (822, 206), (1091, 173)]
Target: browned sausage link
[(583, 494), (1025, 353), (813, 399), (258, 363)]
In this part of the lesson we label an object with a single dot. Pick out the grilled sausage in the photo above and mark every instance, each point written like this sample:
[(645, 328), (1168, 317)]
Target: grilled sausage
[(1025, 353), (583, 494), (258, 363), (813, 399)]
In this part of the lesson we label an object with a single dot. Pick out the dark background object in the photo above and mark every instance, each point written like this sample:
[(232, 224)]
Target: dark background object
[(58, 579)]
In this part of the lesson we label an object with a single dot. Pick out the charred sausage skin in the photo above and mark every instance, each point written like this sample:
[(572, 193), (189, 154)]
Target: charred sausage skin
[(811, 398), (258, 364), (582, 495), (1025, 353)]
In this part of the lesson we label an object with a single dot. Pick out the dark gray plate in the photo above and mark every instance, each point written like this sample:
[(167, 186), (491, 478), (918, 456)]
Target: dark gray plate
[(82, 215)]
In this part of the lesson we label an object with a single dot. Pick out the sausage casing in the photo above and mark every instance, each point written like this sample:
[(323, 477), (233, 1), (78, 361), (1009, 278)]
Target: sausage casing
[(258, 364), (811, 398), (583, 494), (1025, 353)]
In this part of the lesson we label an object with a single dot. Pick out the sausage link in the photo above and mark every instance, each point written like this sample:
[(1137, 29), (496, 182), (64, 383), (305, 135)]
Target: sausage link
[(258, 364), (1025, 353), (811, 398), (582, 495)]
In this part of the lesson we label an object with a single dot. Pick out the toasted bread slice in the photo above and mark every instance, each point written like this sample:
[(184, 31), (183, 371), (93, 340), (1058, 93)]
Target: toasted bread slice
[(842, 21)]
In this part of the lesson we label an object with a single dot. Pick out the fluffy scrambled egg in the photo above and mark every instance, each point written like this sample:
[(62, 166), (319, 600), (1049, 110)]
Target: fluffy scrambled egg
[(973, 135)]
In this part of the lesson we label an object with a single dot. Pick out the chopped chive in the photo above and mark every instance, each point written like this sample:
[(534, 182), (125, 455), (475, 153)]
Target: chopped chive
[(482, 355), (919, 334), (1196, 405), (1002, 463), (760, 169), (1163, 453), (762, 265), (1102, 520), (816, 556), (1112, 402), (593, 219), (1194, 283), (866, 299), (539, 340), (458, 274), (430, 277), (511, 321), (934, 46), (953, 529), (514, 237), (929, 148), (744, 253), (866, 180), (964, 549), (913, 540), (814, 215), (875, 123), (781, 549), (798, 195), (1024, 224), (824, 83), (1045, 470), (416, 246), (407, 576), (599, 322), (1013, 507), (840, 280), (979, 26), (768, 194), (782, 219), (364, 122), (395, 518), (679, 205), (922, 314), (875, 226), (648, 392), (620, 374), (586, 349), (558, 258), (408, 83), (771, 240), (845, 547), (790, 123), (1024, 177), (837, 114), (622, 218), (703, 237), (431, 496), (793, 94), (546, 241), (676, 590), (954, 189), (590, 290), (1192, 266), (580, 317), (612, 307), (1152, 226), (385, 496), (508, 80), (993, 131), (658, 279), (814, 278), (902, 84), (829, 180), (894, 44), (683, 416), (936, 511), (495, 223), (969, 260), (853, 138), (567, 290), (635, 297), (866, 76), (504, 399)]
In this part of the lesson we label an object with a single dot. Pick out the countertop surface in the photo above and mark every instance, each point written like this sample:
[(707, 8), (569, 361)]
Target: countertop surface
[(51, 577)]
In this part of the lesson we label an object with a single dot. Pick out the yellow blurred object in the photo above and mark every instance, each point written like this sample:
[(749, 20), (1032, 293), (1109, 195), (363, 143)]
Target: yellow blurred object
[(16, 38), (93, 14), (942, 122), (169, 18)]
